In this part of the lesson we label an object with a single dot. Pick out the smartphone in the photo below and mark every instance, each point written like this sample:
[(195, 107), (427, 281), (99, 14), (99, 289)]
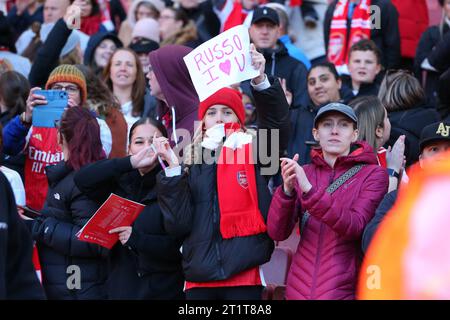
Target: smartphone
[(45, 115)]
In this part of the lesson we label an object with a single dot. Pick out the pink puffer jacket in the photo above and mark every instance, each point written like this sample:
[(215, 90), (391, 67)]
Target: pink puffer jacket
[(328, 256)]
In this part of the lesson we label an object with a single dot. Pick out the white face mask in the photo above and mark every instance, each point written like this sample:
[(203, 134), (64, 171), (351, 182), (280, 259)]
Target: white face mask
[(215, 135)]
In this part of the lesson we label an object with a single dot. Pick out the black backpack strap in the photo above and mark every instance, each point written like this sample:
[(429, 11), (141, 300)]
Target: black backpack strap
[(333, 187)]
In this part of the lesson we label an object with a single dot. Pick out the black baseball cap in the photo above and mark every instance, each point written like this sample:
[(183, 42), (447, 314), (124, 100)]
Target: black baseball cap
[(265, 13), (439, 131), (144, 46), (337, 107)]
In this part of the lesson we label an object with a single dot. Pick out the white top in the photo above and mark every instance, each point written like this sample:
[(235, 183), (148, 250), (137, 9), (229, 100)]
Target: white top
[(16, 184), (105, 136), (17, 63), (127, 109), (24, 40), (310, 41)]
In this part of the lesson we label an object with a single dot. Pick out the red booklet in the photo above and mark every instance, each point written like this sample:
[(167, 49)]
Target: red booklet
[(114, 212)]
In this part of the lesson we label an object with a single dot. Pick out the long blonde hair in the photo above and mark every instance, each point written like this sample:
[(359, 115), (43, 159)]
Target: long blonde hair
[(370, 113)]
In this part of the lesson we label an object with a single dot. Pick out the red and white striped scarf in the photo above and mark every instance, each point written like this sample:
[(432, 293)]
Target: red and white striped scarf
[(339, 42)]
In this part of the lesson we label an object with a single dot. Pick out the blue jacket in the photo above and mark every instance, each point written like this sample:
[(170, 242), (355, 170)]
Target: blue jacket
[(294, 51), (14, 134), (386, 204)]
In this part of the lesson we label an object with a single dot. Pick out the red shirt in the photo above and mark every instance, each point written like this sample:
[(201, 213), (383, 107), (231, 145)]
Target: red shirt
[(250, 277)]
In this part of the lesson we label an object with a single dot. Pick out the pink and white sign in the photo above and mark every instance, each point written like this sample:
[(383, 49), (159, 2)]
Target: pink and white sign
[(221, 61)]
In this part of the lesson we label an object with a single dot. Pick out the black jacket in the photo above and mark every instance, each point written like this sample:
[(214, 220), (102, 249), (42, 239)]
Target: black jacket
[(428, 41), (444, 95), (18, 278), (206, 21), (365, 89), (410, 123), (281, 65), (66, 211), (191, 210), (369, 231), (149, 265), (94, 42), (387, 38), (439, 56)]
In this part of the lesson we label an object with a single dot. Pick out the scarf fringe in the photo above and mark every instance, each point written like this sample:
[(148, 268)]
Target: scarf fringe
[(242, 224)]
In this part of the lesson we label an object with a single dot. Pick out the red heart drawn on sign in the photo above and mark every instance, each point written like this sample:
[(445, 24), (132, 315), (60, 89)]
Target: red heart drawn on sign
[(225, 67)]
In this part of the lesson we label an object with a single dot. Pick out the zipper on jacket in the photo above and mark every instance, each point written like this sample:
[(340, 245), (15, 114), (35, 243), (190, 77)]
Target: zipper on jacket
[(332, 176), (317, 263), (272, 72), (216, 231)]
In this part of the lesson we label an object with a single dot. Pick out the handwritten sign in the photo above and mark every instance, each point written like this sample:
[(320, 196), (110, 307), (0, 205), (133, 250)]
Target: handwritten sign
[(221, 61)]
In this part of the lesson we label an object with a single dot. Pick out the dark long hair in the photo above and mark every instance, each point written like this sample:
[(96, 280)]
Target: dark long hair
[(14, 90), (81, 131), (138, 90), (330, 66), (156, 123)]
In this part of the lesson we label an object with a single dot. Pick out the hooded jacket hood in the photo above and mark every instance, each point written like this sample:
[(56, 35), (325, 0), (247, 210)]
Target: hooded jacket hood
[(94, 42), (176, 84), (360, 153)]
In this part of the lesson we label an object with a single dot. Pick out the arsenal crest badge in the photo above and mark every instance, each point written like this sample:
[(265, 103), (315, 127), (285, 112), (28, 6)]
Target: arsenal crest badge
[(242, 179)]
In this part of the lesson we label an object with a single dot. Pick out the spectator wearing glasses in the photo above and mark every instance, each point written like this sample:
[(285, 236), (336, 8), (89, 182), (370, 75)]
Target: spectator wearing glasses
[(176, 28), (69, 79)]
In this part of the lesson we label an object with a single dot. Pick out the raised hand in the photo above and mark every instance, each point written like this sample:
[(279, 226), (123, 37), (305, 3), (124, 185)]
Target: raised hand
[(289, 174), (32, 101), (290, 169), (164, 150), (144, 158), (259, 63), (287, 93), (395, 156)]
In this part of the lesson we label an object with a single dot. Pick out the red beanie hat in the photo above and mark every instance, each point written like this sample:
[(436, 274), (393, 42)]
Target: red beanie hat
[(227, 97)]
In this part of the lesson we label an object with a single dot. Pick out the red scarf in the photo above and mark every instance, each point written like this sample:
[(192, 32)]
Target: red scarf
[(339, 43), (381, 155), (237, 16), (91, 25), (236, 186), (295, 3)]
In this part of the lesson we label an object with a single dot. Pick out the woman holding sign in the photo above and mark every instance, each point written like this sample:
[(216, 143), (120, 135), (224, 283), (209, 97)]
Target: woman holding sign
[(71, 269), (220, 207), (146, 264)]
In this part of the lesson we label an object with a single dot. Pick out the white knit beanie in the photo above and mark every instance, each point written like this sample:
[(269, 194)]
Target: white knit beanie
[(146, 28)]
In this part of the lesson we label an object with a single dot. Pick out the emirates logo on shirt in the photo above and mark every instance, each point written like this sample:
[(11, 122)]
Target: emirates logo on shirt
[(242, 179)]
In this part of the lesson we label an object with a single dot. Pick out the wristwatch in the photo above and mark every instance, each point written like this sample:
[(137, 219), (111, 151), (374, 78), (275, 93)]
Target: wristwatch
[(393, 173)]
